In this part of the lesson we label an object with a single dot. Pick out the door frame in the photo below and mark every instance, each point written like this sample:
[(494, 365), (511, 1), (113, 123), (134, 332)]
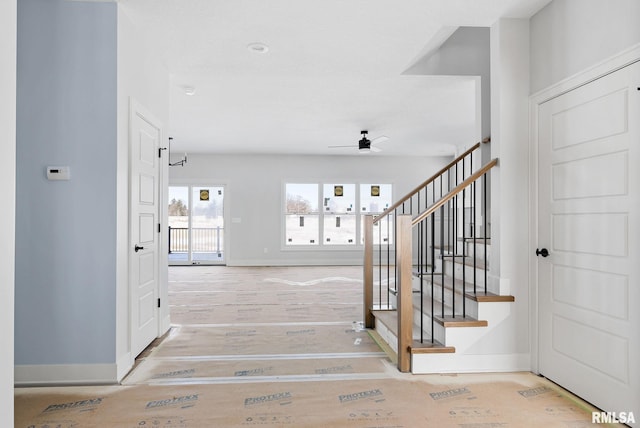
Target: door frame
[(608, 66), (162, 291), (226, 212)]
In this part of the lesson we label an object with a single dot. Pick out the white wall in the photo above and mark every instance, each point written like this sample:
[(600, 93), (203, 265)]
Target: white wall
[(254, 196), (464, 53), (65, 231), (567, 36), (142, 77), (509, 197), (8, 11)]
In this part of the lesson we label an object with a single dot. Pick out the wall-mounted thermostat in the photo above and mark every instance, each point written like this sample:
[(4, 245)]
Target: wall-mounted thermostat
[(58, 173)]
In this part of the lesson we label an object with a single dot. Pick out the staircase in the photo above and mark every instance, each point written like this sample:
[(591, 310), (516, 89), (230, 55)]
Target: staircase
[(427, 295)]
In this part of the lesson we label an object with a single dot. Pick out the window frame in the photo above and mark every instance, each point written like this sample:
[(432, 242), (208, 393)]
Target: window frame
[(357, 213)]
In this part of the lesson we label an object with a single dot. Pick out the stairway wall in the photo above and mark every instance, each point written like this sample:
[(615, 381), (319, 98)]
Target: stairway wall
[(510, 183)]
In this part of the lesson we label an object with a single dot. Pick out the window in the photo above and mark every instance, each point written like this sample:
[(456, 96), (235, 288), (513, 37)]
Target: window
[(339, 225), (374, 199), (331, 214), (302, 218)]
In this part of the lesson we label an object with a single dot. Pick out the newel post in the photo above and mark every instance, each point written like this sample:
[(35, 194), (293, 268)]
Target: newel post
[(367, 276), (405, 292)]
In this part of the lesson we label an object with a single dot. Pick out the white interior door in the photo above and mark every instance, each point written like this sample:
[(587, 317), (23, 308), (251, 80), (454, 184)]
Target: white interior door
[(144, 245), (589, 221)]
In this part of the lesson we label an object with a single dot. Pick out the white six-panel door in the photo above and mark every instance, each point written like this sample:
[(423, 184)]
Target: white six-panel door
[(144, 245), (589, 221)]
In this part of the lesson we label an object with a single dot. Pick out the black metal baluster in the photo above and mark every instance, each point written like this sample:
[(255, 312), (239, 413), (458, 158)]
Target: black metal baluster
[(442, 255), (433, 269), (464, 255), (421, 273), (484, 195), (452, 245), (474, 215), (389, 254), (379, 265)]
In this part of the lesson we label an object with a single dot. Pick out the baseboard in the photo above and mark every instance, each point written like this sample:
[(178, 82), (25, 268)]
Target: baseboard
[(65, 374), (460, 363), (124, 366), (165, 325), (289, 262)]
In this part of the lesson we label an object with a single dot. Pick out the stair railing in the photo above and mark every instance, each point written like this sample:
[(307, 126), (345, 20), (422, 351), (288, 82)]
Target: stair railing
[(414, 237), (414, 203)]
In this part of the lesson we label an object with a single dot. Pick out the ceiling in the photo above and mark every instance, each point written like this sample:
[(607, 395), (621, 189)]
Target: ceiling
[(333, 68)]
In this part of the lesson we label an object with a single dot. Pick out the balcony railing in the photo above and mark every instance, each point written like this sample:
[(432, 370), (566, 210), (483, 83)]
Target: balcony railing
[(203, 239)]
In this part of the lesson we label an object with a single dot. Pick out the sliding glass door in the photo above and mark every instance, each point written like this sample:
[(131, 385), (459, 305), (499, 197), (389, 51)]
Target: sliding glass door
[(196, 225)]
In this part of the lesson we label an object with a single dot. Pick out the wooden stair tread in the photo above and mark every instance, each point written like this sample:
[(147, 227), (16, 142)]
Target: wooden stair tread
[(430, 348), (448, 280), (459, 259), (388, 318), (479, 296), (477, 240), (459, 321), (468, 261), (490, 297)]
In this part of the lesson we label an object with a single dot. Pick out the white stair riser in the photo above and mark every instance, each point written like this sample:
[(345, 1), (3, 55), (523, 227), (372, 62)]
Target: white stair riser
[(478, 250), (462, 338), (387, 335), (470, 250), (450, 267), (461, 363), (470, 305), (439, 332), (459, 337)]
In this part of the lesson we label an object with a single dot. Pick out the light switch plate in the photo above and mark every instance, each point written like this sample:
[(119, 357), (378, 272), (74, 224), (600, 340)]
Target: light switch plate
[(58, 173)]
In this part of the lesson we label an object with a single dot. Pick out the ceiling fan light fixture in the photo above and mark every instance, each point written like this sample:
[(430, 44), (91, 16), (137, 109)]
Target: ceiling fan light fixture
[(258, 48), (365, 145), (189, 90)]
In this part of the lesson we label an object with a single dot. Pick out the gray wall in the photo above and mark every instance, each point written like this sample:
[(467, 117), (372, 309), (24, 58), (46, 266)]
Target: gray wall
[(568, 36), (7, 214), (65, 231), (254, 196)]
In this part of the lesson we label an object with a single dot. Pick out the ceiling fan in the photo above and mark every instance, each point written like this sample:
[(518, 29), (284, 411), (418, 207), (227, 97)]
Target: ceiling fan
[(365, 145)]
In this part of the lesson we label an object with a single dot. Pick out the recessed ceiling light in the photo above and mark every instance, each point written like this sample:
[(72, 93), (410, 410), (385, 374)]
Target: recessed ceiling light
[(257, 47)]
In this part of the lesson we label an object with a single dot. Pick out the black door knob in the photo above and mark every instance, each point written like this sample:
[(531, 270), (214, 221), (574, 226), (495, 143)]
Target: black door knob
[(544, 252), (138, 248)]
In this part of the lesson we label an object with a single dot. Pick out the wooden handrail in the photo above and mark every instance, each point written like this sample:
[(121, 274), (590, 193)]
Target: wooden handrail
[(429, 180), (446, 198)]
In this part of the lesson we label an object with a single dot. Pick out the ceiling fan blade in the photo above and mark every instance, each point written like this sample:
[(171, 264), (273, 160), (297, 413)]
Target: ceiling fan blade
[(336, 147), (380, 139), (375, 149)]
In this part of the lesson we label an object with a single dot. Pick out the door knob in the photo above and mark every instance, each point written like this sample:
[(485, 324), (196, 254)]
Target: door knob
[(544, 252), (138, 248)]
